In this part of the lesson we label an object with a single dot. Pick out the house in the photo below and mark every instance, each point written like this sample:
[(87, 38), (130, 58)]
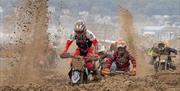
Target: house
[(152, 30), (170, 32), (166, 32)]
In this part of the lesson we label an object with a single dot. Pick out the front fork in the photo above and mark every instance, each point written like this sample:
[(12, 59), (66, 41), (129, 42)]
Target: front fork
[(161, 66)]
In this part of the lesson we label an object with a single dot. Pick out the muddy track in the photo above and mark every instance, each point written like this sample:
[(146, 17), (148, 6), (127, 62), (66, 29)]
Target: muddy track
[(28, 75), (160, 82)]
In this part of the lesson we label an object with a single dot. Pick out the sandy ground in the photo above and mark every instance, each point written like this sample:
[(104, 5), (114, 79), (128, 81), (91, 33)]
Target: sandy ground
[(56, 80), (25, 67)]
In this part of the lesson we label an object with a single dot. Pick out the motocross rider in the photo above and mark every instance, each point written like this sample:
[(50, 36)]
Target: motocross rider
[(152, 52), (165, 50), (122, 59), (85, 40), (104, 57)]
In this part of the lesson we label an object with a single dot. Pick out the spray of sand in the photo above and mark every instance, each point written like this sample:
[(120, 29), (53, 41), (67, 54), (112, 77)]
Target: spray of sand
[(129, 34), (31, 26)]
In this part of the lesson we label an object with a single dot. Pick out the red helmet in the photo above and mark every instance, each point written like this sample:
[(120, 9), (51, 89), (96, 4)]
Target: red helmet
[(79, 27), (121, 46), (121, 43)]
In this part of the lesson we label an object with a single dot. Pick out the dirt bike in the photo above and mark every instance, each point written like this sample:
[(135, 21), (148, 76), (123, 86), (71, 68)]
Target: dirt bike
[(109, 72), (79, 72), (162, 63), (127, 73)]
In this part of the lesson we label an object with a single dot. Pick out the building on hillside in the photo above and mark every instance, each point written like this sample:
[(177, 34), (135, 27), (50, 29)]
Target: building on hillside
[(165, 32), (170, 32)]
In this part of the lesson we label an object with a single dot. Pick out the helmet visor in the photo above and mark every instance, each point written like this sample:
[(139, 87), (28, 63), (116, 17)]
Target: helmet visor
[(79, 32), (121, 49)]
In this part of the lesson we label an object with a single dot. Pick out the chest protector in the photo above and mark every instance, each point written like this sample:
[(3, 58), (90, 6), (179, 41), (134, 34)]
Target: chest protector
[(83, 43), (122, 60)]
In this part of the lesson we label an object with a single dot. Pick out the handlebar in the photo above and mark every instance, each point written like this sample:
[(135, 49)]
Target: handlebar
[(166, 55), (124, 73), (69, 55)]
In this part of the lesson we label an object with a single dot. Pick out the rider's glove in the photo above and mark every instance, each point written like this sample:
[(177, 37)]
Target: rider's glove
[(62, 55), (133, 72), (105, 71)]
